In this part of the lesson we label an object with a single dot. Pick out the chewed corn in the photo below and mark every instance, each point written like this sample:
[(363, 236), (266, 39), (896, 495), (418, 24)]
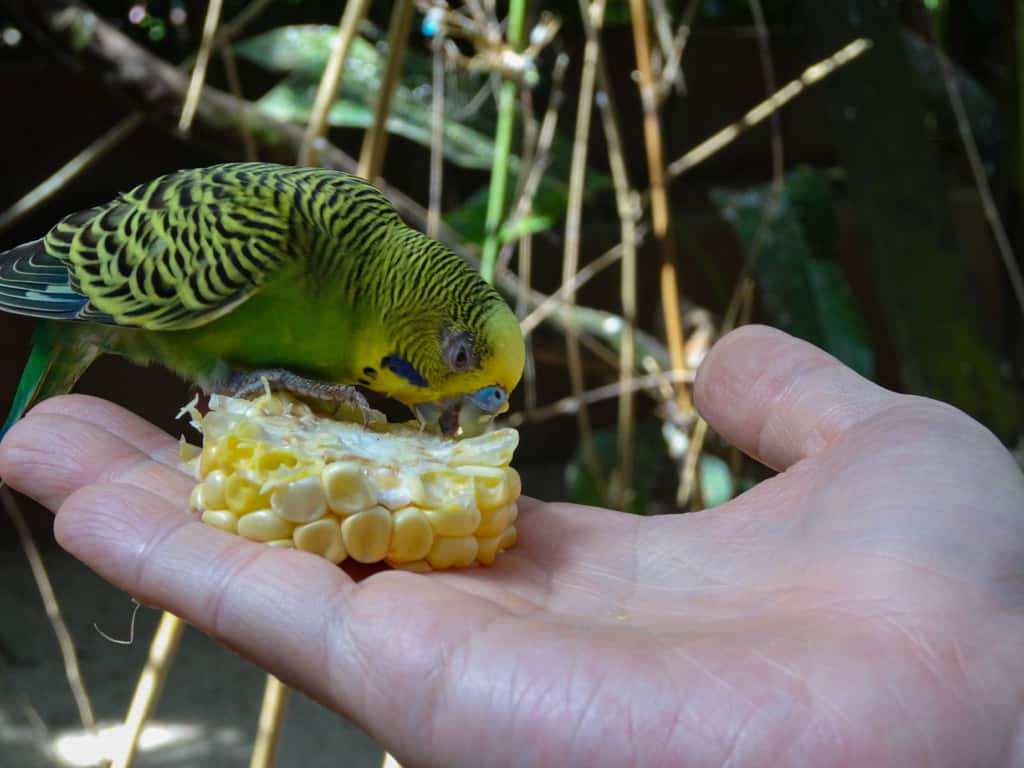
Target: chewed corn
[(271, 470)]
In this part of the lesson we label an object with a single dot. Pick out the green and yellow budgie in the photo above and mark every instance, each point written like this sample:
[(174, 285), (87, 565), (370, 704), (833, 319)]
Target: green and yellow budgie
[(243, 271)]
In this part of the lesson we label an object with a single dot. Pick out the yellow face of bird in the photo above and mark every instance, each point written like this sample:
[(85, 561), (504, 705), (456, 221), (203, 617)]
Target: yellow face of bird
[(451, 371)]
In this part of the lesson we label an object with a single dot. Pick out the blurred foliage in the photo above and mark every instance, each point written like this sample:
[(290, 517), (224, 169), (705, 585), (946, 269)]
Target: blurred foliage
[(652, 466), (301, 52), (791, 242)]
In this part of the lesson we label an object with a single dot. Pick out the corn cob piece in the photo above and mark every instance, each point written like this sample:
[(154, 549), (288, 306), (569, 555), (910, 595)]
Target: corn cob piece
[(271, 470)]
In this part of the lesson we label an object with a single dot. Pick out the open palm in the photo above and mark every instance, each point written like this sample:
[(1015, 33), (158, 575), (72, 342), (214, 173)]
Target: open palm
[(863, 607)]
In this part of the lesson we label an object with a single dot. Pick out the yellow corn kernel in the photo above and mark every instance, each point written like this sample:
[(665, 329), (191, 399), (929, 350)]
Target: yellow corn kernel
[(273, 471), (395, 488), (240, 495), (445, 489), (268, 461), (454, 521), (448, 552), (301, 501), (411, 537), (263, 525), (323, 538), (211, 491), (281, 543), (488, 549), (347, 488), (416, 566), (490, 486), (493, 523), (221, 518), (367, 534)]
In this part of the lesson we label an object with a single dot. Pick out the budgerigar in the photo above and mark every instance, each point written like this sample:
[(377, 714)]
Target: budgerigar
[(243, 271)]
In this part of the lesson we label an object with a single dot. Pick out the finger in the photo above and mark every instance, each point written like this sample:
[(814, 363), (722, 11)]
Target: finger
[(94, 410), (279, 608), (781, 399), (48, 456)]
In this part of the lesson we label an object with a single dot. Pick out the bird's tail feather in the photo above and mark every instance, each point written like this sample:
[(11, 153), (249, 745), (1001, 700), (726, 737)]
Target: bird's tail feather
[(52, 369)]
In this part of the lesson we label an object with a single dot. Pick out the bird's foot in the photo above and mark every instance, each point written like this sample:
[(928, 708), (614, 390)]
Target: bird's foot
[(249, 384)]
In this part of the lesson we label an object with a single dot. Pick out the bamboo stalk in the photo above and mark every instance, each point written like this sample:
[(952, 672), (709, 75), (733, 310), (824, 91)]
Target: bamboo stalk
[(235, 85), (573, 219), (765, 109), (573, 403), (195, 86), (150, 686), (70, 170), (105, 143), (502, 150), (768, 75), (72, 671), (988, 203), (371, 156), (659, 197), (268, 732), (620, 495), (330, 81), (672, 69), (436, 140)]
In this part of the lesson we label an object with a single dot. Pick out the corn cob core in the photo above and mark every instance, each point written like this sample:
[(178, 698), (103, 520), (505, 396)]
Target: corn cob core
[(271, 470)]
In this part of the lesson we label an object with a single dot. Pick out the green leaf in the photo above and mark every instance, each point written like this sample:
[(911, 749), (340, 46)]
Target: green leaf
[(802, 288), (302, 51), (548, 208), (290, 49)]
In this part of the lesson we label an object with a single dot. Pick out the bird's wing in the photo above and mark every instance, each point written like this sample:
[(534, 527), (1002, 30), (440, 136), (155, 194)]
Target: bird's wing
[(177, 252)]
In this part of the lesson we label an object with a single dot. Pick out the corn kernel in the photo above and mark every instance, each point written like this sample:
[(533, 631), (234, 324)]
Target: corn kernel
[(347, 488), (300, 502), (489, 485), (493, 523), (268, 461), (221, 518), (240, 495), (444, 489), (411, 537), (416, 566), (488, 549), (394, 489), (323, 538), (367, 534), (448, 552), (271, 470), (263, 525), (458, 521)]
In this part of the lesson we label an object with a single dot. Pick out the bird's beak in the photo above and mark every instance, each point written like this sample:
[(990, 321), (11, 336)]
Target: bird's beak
[(465, 415)]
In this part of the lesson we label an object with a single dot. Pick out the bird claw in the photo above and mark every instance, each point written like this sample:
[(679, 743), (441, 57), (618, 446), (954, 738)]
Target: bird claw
[(249, 384)]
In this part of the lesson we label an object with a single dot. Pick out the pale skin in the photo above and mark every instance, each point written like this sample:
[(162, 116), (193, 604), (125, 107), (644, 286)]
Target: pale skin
[(864, 607)]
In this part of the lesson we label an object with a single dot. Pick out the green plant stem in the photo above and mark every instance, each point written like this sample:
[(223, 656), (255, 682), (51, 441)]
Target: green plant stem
[(502, 149)]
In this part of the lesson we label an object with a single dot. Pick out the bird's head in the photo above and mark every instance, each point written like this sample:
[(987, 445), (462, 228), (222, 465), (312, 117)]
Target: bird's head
[(453, 352)]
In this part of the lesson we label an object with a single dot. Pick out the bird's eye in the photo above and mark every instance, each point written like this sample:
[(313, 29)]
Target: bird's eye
[(459, 355)]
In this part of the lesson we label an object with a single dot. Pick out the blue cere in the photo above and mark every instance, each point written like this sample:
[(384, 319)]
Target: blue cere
[(489, 399)]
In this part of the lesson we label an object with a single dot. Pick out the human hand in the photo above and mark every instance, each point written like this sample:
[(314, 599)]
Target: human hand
[(863, 607)]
